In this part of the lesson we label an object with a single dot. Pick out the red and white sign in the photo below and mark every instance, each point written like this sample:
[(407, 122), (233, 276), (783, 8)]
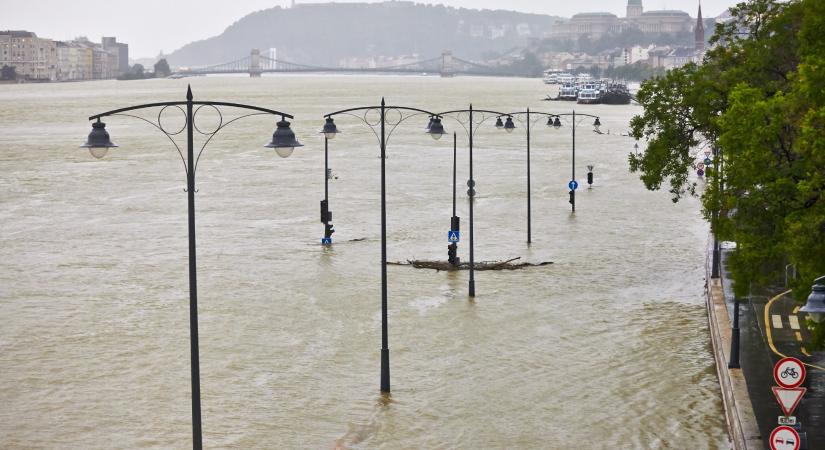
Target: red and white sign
[(789, 372), (788, 398), (784, 438)]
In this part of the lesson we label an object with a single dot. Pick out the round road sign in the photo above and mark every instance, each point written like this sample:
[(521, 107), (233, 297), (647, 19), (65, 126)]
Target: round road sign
[(789, 372), (573, 185), (784, 438), (700, 172), (707, 161)]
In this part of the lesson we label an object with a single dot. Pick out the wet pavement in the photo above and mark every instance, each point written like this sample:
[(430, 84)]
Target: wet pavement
[(768, 336)]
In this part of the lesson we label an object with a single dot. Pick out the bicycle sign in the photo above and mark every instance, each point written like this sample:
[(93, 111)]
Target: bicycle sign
[(789, 372)]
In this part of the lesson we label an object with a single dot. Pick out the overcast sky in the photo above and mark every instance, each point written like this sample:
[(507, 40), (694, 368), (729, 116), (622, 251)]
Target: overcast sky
[(149, 26)]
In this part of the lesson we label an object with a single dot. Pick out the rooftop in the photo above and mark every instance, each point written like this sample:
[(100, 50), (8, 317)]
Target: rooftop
[(666, 12)]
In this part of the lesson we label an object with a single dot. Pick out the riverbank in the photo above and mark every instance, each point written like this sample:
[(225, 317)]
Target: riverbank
[(739, 415)]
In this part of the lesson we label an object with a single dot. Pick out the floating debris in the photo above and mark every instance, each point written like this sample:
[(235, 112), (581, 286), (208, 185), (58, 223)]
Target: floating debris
[(482, 265)]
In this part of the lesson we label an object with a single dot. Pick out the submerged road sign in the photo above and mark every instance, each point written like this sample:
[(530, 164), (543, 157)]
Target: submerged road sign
[(784, 438), (788, 398), (789, 372), (573, 185), (453, 236)]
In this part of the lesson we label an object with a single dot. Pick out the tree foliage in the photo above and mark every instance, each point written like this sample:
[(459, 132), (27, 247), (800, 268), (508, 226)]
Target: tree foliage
[(758, 102), (162, 68)]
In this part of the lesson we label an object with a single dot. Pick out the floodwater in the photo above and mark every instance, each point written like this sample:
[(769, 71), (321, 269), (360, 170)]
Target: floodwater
[(606, 348)]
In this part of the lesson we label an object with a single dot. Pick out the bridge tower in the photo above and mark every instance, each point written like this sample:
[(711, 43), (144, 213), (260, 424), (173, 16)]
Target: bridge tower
[(255, 63), (447, 70)]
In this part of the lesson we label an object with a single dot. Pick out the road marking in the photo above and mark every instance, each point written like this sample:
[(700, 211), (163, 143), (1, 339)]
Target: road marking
[(799, 336), (794, 322), (777, 321), (769, 333), (796, 309)]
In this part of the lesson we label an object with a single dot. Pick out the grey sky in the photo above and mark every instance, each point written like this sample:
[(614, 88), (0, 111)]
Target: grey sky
[(149, 26)]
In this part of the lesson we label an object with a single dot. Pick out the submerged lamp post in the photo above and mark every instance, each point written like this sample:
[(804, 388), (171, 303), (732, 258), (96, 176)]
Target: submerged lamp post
[(815, 306), (470, 119), (434, 129), (557, 124), (329, 131), (553, 120), (283, 141)]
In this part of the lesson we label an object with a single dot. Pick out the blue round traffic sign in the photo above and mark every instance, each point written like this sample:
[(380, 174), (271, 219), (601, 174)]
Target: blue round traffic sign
[(708, 161), (573, 185)]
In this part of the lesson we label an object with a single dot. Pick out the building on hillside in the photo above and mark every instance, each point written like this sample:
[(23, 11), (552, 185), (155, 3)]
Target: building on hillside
[(597, 24), (32, 57)]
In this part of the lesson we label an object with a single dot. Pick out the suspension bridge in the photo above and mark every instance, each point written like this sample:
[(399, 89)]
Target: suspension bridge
[(256, 64)]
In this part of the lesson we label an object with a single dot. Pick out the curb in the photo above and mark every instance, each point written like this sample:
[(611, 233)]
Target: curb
[(739, 415)]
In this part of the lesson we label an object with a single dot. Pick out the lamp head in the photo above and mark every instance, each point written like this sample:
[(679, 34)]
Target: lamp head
[(815, 305), (499, 123), (98, 141), (509, 126), (283, 140), (436, 129), (557, 123), (330, 130)]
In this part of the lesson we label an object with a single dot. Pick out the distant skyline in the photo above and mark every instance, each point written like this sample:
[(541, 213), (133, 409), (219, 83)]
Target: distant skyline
[(147, 32)]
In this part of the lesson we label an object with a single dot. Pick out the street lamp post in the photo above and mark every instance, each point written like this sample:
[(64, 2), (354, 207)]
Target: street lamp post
[(470, 119), (733, 363), (436, 130), (329, 131), (283, 141), (715, 271), (575, 121)]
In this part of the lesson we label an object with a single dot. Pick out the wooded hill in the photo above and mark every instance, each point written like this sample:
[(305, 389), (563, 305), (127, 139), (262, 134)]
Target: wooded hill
[(325, 33)]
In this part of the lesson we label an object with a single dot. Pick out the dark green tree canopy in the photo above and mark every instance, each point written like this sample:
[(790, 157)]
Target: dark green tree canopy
[(758, 102)]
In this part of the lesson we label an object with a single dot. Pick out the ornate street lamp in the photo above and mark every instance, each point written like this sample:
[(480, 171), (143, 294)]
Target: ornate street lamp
[(434, 129), (470, 119), (283, 141)]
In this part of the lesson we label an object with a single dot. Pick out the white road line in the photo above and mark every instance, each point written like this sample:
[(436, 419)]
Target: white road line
[(794, 320), (777, 321)]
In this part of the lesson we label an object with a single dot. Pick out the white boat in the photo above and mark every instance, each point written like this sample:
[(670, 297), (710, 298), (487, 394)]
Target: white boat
[(589, 94), (556, 76)]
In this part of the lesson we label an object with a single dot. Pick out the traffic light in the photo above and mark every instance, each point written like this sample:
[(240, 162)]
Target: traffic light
[(455, 223), (589, 177), (326, 214), (452, 257), (572, 197), (328, 230)]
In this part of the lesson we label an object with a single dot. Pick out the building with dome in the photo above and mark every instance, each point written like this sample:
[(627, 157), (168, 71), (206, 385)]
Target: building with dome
[(597, 24)]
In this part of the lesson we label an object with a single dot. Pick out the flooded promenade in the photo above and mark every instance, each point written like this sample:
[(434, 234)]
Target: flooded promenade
[(606, 348)]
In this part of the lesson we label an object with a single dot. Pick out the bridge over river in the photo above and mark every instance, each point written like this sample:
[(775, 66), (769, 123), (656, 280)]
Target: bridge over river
[(255, 64)]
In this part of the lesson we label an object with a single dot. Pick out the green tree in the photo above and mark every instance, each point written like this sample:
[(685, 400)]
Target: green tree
[(162, 68), (758, 101)]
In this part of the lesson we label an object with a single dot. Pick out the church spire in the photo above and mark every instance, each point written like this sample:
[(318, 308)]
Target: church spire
[(699, 31)]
